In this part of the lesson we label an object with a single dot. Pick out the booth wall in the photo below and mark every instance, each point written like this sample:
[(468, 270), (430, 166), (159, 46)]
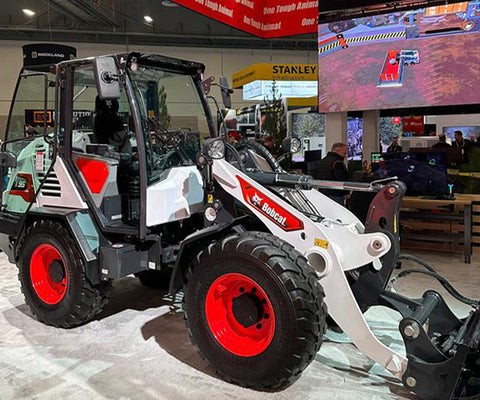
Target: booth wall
[(453, 120), (218, 61)]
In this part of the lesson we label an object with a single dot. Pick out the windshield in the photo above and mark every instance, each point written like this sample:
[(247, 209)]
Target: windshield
[(27, 117), (173, 118)]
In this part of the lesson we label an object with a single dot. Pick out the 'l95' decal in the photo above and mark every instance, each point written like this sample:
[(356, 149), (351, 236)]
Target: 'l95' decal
[(269, 208)]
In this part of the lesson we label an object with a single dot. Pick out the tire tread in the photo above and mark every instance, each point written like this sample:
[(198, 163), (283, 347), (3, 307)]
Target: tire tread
[(92, 298), (303, 287)]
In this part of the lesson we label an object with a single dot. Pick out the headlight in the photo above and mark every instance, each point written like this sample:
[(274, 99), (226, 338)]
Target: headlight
[(295, 145), (210, 214), (291, 145), (214, 148)]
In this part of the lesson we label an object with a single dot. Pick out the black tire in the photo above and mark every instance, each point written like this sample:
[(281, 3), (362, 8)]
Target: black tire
[(156, 279), (294, 293), (81, 301)]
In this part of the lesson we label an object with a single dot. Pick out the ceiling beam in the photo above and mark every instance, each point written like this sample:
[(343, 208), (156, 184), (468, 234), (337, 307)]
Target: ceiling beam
[(160, 39), (53, 4), (90, 9)]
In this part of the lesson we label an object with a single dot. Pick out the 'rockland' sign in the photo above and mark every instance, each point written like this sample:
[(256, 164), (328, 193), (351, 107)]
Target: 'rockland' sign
[(263, 18)]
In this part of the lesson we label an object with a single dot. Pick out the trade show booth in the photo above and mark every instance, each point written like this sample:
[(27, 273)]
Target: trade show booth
[(307, 228)]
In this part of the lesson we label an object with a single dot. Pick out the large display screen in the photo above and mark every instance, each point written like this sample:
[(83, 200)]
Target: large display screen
[(468, 132), (355, 138), (426, 57)]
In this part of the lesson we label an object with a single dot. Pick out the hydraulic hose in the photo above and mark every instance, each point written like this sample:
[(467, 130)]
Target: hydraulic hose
[(263, 151), (434, 274), (237, 157)]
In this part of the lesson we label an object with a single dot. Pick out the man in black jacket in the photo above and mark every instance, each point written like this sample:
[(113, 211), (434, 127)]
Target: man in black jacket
[(460, 142), (442, 143), (394, 147), (333, 168)]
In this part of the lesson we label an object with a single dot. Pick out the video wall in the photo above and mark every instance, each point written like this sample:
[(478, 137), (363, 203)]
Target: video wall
[(468, 132), (418, 58), (355, 138)]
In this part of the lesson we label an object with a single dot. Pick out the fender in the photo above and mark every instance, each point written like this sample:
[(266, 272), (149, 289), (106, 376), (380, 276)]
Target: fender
[(82, 228), (192, 244)]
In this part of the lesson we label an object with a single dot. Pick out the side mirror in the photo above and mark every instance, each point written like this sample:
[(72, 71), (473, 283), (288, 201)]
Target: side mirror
[(106, 77), (226, 92), (291, 145)]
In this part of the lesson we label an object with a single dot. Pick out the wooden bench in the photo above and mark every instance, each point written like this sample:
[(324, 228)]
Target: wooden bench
[(444, 225), (476, 224)]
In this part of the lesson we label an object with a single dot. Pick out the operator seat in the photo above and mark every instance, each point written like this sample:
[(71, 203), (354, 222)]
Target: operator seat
[(108, 129), (108, 126)]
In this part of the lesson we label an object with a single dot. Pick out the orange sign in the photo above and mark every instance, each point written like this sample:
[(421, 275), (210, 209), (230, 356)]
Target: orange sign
[(40, 117), (447, 9)]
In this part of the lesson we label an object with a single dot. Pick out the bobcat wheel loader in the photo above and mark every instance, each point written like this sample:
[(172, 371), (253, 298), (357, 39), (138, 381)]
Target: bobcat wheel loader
[(99, 181)]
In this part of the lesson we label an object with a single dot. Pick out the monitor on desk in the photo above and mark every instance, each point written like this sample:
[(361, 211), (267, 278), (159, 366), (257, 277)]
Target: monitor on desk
[(423, 174), (375, 158), (446, 156), (312, 158)]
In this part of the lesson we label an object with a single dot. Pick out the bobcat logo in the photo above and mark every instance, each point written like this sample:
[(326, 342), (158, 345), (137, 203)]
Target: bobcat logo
[(257, 200), (269, 208)]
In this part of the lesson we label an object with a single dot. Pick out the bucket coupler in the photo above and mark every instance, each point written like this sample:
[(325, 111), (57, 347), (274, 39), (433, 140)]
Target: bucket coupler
[(442, 351)]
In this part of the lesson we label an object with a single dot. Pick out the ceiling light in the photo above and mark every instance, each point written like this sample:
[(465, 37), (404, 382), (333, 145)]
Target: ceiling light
[(28, 12), (148, 18)]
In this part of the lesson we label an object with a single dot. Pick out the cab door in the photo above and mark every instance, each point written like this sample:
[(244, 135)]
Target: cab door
[(29, 138), (102, 151)]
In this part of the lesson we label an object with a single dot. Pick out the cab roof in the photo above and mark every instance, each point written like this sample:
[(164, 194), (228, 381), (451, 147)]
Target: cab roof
[(150, 60)]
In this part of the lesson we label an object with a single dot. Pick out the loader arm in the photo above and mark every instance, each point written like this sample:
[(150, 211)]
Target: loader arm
[(354, 264), (332, 247)]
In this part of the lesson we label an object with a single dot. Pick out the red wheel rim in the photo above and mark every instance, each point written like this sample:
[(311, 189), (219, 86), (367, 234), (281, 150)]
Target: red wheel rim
[(223, 313), (48, 289)]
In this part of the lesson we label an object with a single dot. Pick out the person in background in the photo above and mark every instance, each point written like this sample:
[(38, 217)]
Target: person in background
[(460, 142), (442, 143), (268, 142), (463, 144), (475, 140), (394, 147), (29, 131), (333, 168)]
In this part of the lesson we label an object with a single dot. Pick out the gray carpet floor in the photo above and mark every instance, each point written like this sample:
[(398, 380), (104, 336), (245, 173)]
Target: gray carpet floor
[(138, 348)]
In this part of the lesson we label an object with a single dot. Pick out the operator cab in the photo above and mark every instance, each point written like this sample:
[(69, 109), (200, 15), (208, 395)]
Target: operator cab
[(125, 131), (151, 125)]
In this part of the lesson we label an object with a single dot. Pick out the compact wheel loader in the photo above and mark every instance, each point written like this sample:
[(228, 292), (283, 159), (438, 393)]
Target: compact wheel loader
[(103, 177)]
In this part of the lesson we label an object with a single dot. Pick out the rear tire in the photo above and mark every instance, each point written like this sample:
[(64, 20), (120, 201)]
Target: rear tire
[(53, 280), (255, 309)]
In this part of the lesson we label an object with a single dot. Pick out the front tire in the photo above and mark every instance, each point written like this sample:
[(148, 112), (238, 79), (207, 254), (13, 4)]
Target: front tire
[(53, 280), (255, 309)]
